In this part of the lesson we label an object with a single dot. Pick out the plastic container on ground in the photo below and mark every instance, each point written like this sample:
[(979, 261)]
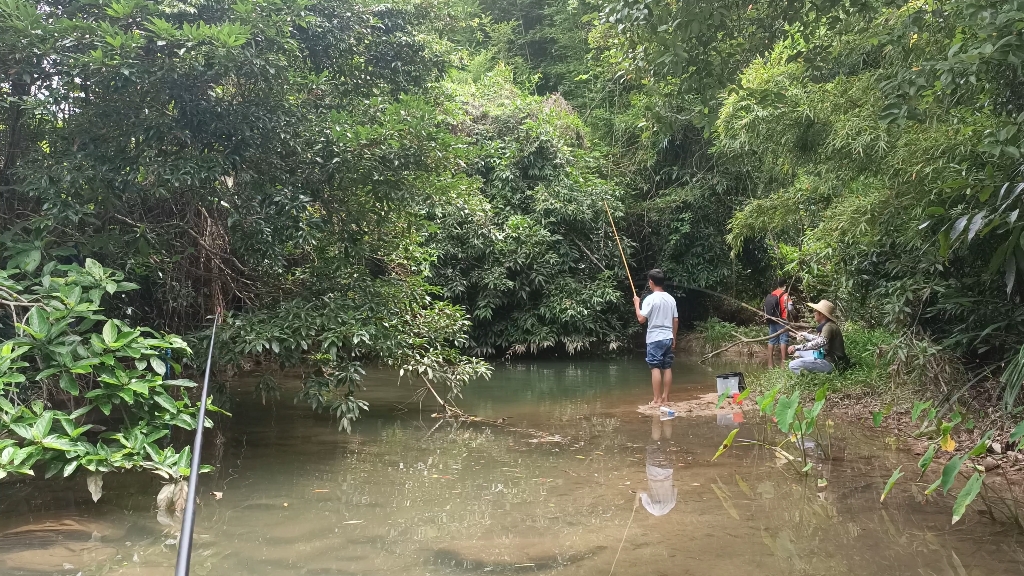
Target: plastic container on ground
[(667, 413), (731, 382)]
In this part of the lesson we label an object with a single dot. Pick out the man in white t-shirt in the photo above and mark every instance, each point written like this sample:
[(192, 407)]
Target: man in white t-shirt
[(662, 318)]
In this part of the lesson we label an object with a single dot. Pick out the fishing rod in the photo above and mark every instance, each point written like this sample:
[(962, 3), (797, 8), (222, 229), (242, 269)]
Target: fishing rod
[(625, 264), (188, 520)]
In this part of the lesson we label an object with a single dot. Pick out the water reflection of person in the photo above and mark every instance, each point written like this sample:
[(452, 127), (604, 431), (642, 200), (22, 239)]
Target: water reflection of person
[(660, 496)]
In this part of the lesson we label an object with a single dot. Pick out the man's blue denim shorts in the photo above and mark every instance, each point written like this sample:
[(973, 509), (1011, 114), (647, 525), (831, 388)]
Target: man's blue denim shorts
[(782, 339), (659, 354)]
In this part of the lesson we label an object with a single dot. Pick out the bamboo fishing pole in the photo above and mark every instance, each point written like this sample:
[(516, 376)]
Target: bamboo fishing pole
[(621, 251)]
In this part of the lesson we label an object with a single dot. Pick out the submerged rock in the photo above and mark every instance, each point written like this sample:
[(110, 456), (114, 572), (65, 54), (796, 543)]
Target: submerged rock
[(525, 557), (49, 545)]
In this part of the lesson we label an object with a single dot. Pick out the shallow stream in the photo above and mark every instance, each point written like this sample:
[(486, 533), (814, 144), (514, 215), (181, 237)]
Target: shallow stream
[(586, 483)]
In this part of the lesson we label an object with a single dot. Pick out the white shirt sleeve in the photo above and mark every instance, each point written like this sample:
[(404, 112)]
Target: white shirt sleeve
[(645, 308)]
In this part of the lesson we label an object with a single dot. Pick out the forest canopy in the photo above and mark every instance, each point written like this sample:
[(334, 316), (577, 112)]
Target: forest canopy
[(423, 185)]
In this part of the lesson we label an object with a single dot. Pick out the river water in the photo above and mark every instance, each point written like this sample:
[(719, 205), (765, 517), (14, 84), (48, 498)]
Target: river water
[(575, 482)]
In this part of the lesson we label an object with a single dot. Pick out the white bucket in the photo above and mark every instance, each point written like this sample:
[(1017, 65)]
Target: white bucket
[(729, 383)]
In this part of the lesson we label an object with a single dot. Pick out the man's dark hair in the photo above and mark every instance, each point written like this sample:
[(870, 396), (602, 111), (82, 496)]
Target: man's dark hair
[(782, 283), (657, 277)]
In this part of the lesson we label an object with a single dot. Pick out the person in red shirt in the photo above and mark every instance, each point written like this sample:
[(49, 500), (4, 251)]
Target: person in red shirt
[(777, 306)]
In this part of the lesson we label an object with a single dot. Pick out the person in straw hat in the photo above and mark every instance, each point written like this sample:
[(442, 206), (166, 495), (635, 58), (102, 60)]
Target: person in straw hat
[(823, 350)]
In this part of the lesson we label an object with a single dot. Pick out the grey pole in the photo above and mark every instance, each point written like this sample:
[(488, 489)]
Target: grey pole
[(188, 520)]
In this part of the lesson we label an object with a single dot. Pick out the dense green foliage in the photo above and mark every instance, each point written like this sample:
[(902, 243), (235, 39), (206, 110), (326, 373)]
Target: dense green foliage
[(420, 183), (868, 150), (530, 255), (65, 361)]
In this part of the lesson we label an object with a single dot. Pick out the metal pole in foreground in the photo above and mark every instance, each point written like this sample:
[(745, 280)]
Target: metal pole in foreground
[(188, 520)]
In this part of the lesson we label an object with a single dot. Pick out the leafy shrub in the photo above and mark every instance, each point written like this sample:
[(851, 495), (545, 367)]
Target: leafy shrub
[(68, 368)]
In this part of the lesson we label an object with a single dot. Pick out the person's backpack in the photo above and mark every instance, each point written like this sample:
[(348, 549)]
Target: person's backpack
[(772, 307)]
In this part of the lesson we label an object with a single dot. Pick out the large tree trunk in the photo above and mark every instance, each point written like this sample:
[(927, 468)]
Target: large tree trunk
[(217, 276)]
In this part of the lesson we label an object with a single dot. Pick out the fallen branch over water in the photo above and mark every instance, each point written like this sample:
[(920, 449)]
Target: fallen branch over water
[(453, 412), (748, 307), (742, 340)]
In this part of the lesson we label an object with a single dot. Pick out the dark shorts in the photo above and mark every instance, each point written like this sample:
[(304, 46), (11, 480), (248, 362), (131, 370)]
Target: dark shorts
[(782, 339), (659, 354)]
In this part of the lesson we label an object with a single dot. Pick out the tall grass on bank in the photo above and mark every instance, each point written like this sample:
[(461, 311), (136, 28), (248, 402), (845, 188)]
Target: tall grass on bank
[(897, 367), (869, 350)]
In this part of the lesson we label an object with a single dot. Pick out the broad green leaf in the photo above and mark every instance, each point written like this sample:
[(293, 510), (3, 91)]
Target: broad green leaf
[(892, 482), (39, 322), (1017, 433), (876, 418), (967, 495), (949, 472), (109, 332), (982, 446), (926, 460), (42, 426), (69, 384), (726, 444), (56, 442), (166, 401), (158, 365), (721, 399), (31, 260), (94, 268), (81, 411), (47, 373), (743, 396), (52, 468), (786, 411)]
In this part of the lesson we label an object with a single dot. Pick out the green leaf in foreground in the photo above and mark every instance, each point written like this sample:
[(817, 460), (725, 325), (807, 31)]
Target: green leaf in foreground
[(726, 444), (876, 418), (786, 411), (967, 495), (721, 399), (916, 412), (1017, 433), (949, 472), (982, 446), (926, 460), (892, 482)]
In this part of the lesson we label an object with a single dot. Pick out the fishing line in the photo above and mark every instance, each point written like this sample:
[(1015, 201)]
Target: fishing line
[(628, 524)]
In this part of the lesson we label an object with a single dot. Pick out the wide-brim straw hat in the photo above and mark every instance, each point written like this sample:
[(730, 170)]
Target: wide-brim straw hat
[(825, 307)]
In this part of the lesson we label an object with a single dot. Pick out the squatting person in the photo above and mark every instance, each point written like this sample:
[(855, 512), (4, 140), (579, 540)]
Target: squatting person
[(823, 350)]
